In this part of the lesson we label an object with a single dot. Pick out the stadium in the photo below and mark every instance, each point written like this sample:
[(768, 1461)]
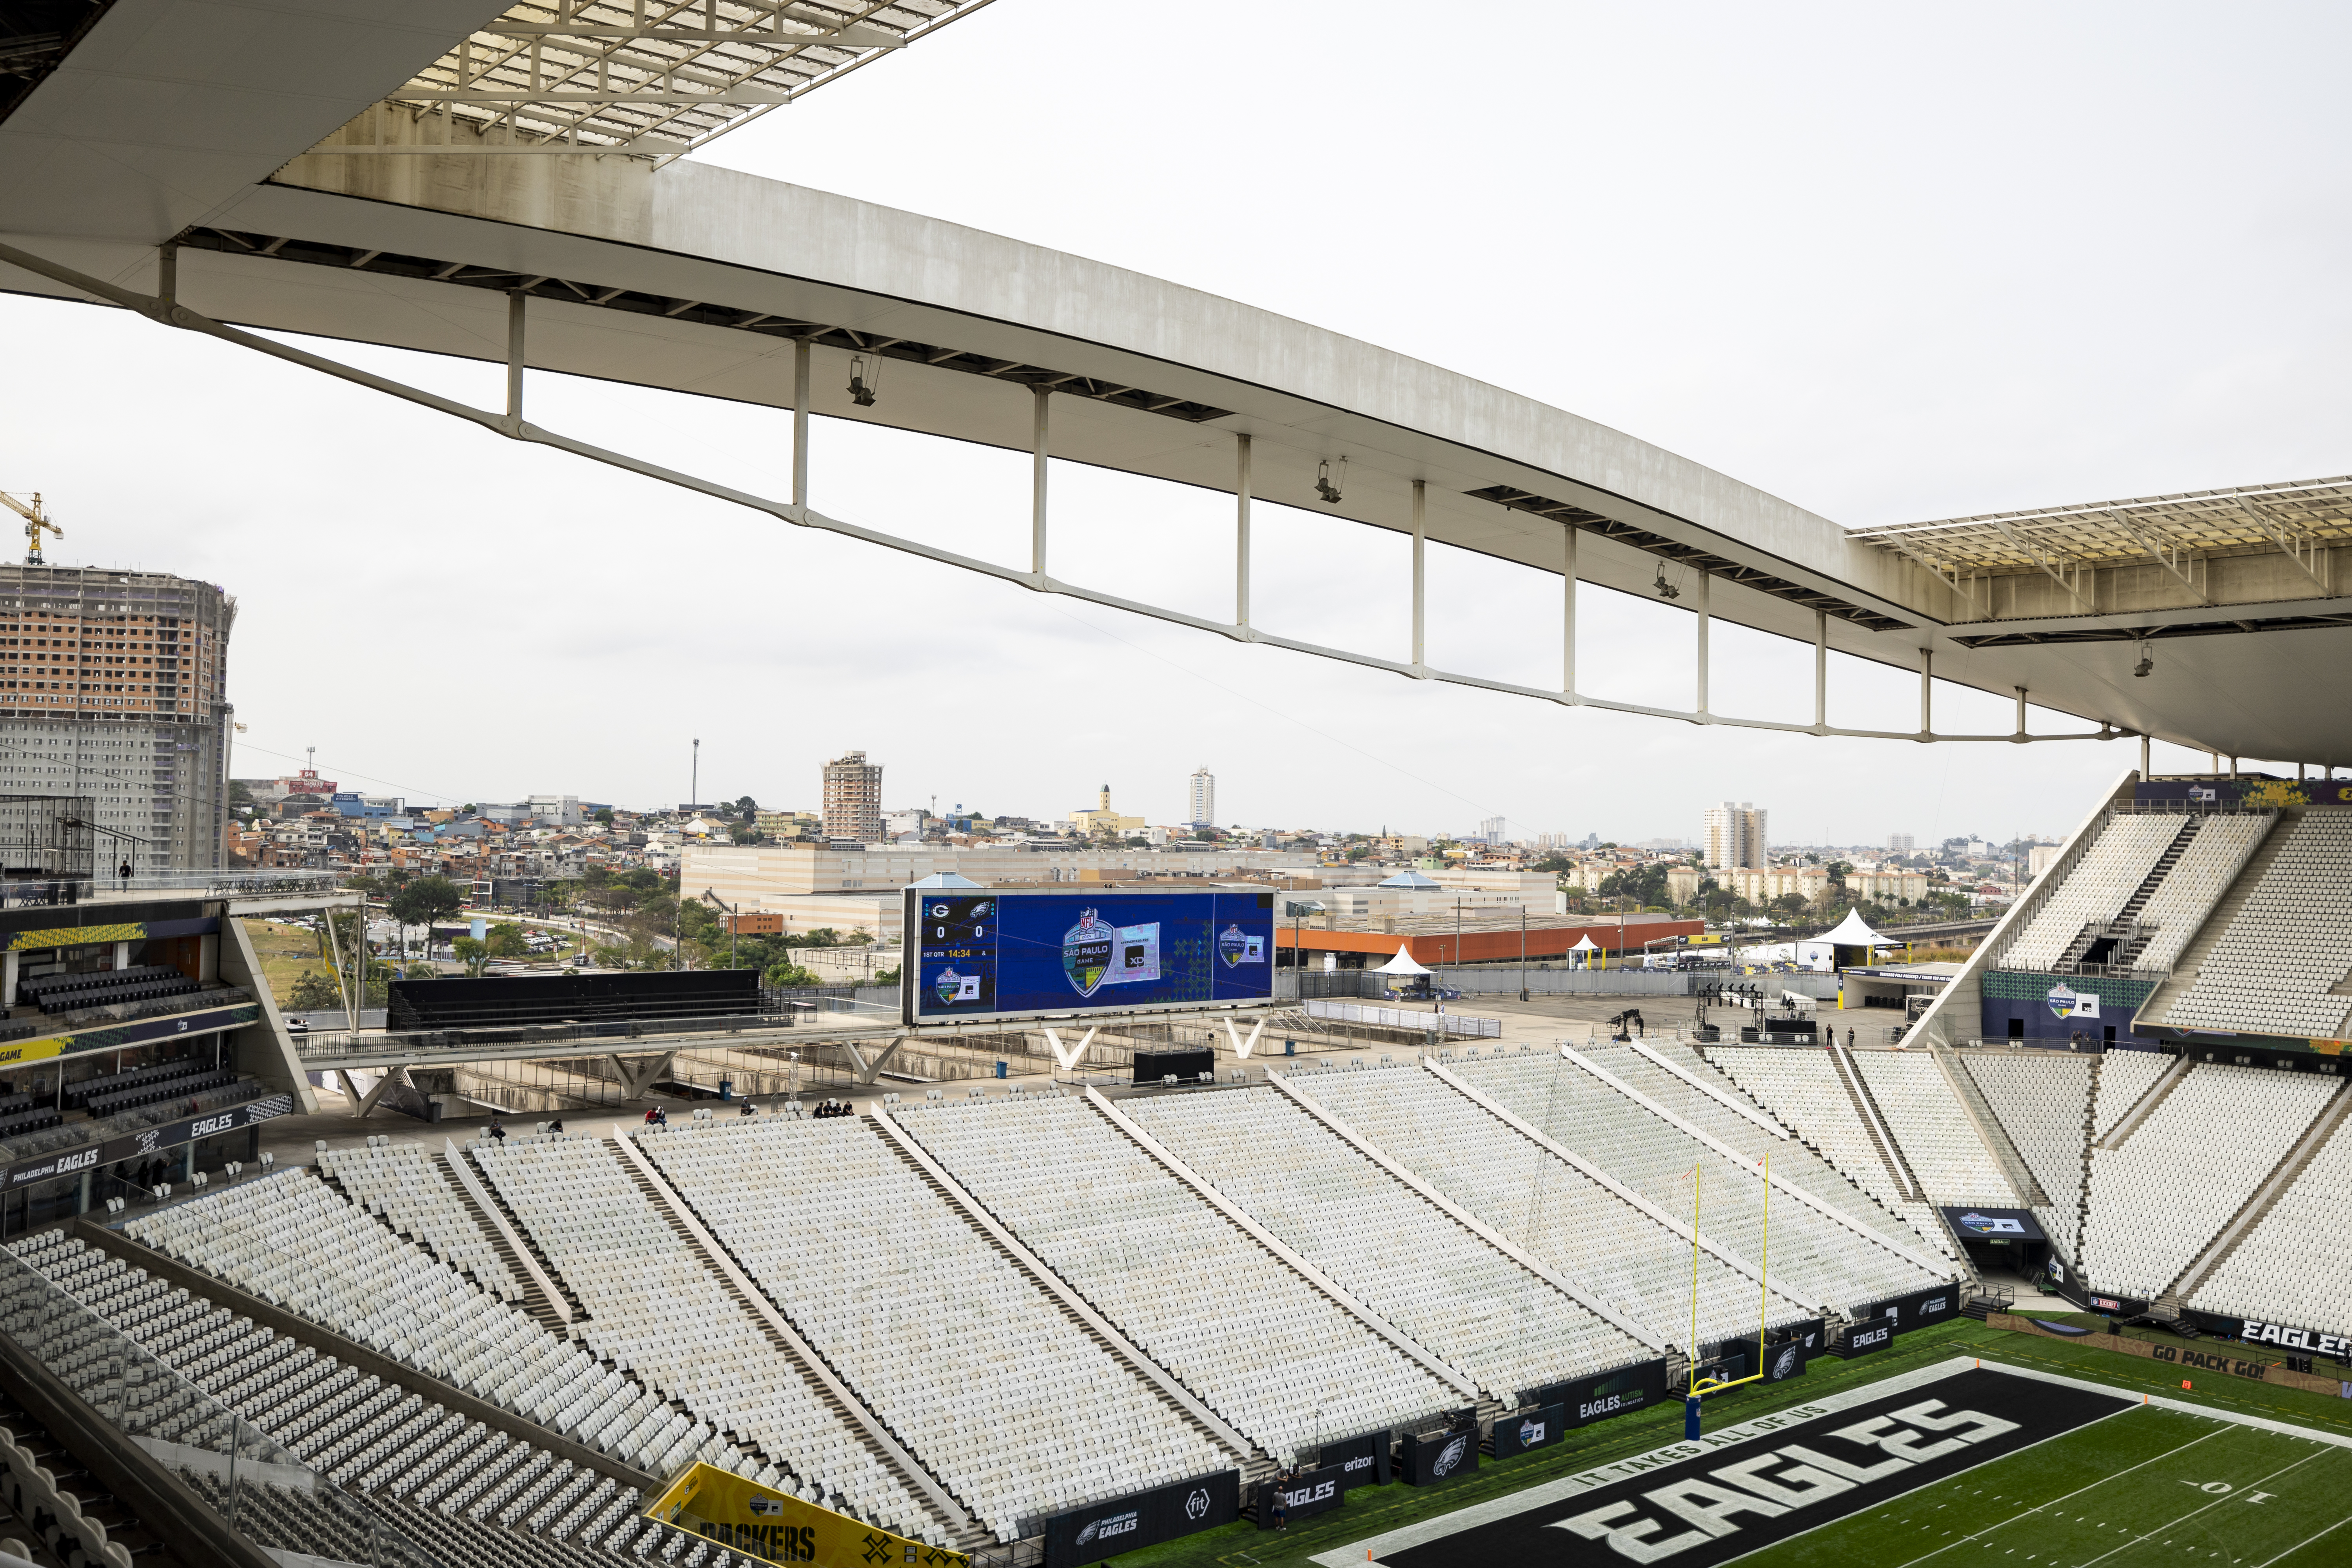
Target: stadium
[(2055, 1264)]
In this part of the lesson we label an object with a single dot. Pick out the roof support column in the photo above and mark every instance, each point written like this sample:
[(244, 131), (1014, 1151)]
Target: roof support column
[(516, 302), (1567, 613), (2143, 759), (2021, 713), (1705, 622), (1241, 530), (1821, 671), (1038, 487), (801, 350), (167, 274), (1927, 688), (1419, 556)]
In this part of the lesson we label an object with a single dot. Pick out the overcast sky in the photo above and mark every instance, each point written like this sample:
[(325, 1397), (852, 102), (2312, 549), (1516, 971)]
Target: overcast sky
[(1888, 263)]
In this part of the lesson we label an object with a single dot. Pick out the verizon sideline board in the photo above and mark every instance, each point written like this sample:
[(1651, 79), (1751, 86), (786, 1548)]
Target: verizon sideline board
[(1024, 952)]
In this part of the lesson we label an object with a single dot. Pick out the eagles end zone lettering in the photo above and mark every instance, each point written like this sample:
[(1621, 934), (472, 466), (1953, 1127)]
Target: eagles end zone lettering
[(1718, 1503)]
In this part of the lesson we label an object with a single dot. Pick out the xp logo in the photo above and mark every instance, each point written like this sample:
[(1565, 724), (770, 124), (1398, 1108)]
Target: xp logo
[(1451, 1456), (2065, 1001), (1530, 1434), (763, 1505), (1196, 1503)]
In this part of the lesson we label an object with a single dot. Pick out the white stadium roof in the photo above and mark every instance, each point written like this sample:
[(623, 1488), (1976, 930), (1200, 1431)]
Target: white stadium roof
[(402, 174)]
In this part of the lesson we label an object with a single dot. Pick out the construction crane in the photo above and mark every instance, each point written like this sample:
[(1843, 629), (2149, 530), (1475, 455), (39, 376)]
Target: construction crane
[(36, 520)]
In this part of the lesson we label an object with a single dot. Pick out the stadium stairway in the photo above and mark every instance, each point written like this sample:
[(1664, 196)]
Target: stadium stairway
[(2069, 960), (507, 1237), (822, 1376), (2145, 1106), (2282, 1176), (2219, 918), (1995, 1136), (1255, 1465), (1906, 1184)]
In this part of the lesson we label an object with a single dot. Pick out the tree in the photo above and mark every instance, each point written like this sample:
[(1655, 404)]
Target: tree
[(506, 940), (779, 975), (1792, 903), (314, 992), (887, 976), (605, 816), (423, 901), (471, 954)]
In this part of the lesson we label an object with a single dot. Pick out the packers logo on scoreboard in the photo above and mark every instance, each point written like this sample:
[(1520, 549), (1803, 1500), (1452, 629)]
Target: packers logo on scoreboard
[(1086, 951), (768, 1525)]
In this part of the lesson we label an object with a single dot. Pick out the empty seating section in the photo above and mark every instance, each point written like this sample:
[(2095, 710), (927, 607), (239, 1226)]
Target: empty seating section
[(1466, 1303), (289, 1240), (434, 1476), (1537, 1201), (34, 1119), (1937, 1136), (2123, 1077), (2044, 1100), (2157, 1201), (1820, 1259), (121, 1090), (2217, 854), (1019, 1413), (2103, 880), (656, 1310), (1800, 1087), (1792, 1161), (398, 1182), (1288, 1366), (2290, 1268), (104, 987), (2288, 947)]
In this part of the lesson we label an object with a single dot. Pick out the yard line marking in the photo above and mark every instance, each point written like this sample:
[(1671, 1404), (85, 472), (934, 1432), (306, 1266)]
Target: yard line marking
[(2078, 1491), (2193, 1512), (2301, 1544)]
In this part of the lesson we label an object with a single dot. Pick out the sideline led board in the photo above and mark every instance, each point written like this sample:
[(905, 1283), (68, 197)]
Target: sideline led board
[(1002, 953)]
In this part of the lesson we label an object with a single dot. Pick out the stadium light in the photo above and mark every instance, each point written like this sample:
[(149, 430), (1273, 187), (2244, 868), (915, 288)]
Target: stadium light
[(2145, 663), (1323, 485), (861, 391), (1666, 590)]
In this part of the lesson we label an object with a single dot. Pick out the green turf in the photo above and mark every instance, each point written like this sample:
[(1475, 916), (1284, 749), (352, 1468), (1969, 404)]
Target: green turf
[(1372, 1509), (2147, 1486)]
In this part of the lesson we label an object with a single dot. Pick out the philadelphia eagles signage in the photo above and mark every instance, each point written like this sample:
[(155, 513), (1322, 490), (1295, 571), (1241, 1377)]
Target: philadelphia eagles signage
[(1432, 1458), (1038, 952), (1121, 1524)]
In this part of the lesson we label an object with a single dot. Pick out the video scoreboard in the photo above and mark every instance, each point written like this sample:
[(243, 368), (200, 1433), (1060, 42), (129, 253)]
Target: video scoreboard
[(1023, 953)]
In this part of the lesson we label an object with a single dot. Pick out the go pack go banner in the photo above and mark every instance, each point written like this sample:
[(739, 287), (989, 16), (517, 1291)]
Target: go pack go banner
[(774, 1527)]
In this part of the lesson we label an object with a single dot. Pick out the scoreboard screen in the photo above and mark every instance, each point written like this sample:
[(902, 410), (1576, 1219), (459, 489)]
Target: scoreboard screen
[(1014, 953)]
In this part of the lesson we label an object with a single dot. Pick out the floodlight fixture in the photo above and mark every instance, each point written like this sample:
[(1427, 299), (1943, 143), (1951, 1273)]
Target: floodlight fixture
[(1666, 590), (861, 391), (2146, 663), (1323, 485)]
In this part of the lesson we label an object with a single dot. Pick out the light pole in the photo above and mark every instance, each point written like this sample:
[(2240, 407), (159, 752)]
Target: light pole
[(1523, 952)]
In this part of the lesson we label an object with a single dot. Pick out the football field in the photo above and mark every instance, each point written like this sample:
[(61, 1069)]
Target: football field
[(1961, 1463), (2151, 1485)]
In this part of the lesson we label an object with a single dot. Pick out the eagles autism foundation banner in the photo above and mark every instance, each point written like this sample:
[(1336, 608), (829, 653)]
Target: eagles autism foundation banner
[(751, 1518)]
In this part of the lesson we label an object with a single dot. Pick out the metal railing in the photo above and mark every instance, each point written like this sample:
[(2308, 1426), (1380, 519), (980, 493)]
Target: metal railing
[(255, 1484), (100, 1130), (1457, 1025), (637, 1036)]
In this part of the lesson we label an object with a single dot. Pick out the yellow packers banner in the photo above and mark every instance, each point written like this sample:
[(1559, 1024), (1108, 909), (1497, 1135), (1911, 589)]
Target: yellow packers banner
[(773, 1527)]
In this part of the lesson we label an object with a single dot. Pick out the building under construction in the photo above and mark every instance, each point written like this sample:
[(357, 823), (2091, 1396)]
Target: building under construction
[(114, 686)]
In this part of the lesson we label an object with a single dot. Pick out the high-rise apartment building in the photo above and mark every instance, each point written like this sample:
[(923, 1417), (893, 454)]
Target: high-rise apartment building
[(853, 799), (1201, 799), (1734, 836), (114, 686), (1490, 830), (1899, 843)]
